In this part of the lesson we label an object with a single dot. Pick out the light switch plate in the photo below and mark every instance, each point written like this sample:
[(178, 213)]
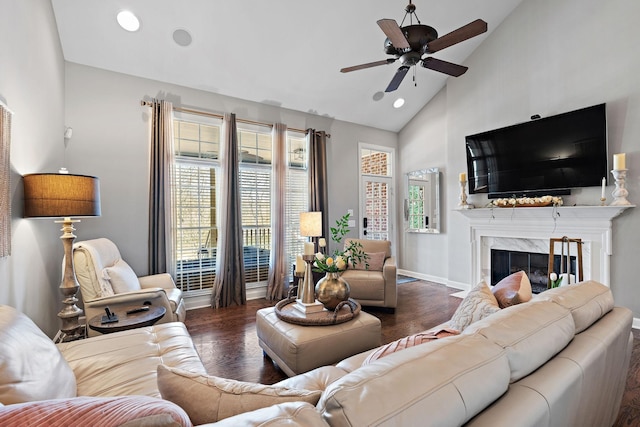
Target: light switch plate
[(352, 223)]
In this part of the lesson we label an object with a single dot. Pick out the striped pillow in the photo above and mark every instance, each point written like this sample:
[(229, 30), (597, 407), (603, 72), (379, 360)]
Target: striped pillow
[(94, 411)]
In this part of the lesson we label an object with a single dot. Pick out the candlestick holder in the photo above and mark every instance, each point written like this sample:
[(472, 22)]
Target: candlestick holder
[(602, 201), (306, 301), (620, 193), (463, 196)]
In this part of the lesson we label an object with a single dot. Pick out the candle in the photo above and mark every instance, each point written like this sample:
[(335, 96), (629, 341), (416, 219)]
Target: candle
[(619, 161), (322, 242), (463, 177), (604, 184), (309, 248), (299, 264)]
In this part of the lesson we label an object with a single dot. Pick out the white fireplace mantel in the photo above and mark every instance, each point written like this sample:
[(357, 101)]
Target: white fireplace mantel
[(536, 225)]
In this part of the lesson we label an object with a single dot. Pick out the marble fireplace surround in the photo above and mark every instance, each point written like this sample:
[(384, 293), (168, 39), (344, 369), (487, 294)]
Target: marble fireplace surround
[(529, 230)]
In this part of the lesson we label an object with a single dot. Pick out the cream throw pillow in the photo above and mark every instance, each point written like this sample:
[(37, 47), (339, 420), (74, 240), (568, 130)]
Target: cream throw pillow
[(208, 399), (122, 277), (478, 304)]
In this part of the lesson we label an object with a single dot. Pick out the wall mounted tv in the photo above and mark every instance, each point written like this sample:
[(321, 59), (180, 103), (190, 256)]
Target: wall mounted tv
[(551, 155)]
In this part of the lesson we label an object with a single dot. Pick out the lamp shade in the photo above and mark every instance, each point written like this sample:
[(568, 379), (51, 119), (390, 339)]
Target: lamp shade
[(61, 195), (311, 224)]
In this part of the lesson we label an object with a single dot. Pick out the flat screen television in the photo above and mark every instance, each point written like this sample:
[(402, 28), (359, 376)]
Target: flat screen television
[(547, 156)]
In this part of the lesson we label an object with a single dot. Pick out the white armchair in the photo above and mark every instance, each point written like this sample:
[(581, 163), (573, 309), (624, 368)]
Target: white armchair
[(105, 279)]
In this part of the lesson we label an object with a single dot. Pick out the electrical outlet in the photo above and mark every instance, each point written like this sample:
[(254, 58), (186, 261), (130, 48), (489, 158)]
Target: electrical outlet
[(352, 223)]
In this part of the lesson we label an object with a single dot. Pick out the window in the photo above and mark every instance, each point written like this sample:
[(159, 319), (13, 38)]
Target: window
[(376, 189), (197, 145)]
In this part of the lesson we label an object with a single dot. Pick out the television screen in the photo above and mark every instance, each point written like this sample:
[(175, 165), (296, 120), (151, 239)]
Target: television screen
[(544, 156)]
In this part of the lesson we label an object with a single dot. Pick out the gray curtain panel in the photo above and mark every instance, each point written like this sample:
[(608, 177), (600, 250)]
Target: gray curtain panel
[(5, 168), (160, 207), (229, 285), (318, 196), (278, 271)]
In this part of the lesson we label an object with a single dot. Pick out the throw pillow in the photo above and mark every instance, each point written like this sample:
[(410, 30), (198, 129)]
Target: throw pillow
[(122, 277), (478, 304), (94, 411), (31, 366), (513, 289), (406, 342), (375, 261), (208, 399)]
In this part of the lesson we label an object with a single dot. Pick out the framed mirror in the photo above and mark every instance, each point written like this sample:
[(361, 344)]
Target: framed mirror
[(422, 201)]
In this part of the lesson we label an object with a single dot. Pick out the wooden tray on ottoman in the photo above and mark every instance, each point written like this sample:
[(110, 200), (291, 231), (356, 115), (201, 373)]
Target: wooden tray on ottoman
[(345, 311)]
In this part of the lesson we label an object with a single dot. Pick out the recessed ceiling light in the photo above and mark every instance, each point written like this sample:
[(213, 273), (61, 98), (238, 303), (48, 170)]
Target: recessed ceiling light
[(398, 103), (182, 37), (128, 20)]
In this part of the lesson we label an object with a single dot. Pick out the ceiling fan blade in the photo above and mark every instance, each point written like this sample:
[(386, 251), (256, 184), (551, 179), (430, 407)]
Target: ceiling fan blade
[(466, 32), (368, 65), (450, 68), (394, 32), (397, 79)]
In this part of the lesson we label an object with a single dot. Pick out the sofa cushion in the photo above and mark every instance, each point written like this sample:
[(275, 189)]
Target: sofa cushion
[(374, 262), (530, 333), (95, 411), (289, 414), (31, 367), (478, 304), (121, 277), (513, 289), (406, 342), (125, 363), (208, 399), (588, 301), (442, 383)]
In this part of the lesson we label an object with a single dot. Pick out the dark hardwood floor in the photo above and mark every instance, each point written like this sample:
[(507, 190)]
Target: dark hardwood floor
[(227, 343)]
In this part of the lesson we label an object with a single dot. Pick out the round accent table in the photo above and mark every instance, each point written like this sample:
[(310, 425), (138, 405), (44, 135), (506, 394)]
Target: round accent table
[(128, 321)]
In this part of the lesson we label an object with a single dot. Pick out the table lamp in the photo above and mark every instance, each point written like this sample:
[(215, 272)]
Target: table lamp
[(61, 195)]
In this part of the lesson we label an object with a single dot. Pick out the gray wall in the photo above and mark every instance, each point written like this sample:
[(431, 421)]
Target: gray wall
[(548, 57), (32, 85), (111, 141)]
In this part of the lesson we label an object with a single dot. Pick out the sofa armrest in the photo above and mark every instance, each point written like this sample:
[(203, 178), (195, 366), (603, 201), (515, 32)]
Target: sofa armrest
[(292, 414), (389, 271), (163, 280)]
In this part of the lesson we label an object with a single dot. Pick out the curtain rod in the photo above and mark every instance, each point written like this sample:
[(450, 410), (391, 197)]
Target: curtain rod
[(220, 116)]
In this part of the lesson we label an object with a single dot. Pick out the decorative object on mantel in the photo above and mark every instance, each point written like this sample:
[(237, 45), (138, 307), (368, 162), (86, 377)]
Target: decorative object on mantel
[(619, 172), (463, 193), (603, 198), (527, 202)]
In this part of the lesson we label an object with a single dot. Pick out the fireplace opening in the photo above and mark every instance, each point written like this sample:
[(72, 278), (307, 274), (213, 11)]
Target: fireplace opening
[(536, 265)]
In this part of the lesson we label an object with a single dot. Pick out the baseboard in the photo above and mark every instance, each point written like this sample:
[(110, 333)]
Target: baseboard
[(636, 323), (436, 279), (202, 300)]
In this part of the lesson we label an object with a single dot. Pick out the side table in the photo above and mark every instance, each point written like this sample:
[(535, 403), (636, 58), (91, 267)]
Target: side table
[(128, 321)]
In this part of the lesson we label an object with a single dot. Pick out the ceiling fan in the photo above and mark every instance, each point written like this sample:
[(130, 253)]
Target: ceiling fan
[(410, 43)]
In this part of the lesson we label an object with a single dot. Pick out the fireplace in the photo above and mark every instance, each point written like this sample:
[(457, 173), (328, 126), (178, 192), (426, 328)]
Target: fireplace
[(535, 265), (529, 230)]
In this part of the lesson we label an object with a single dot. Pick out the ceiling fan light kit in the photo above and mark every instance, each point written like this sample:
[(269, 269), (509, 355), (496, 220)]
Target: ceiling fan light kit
[(412, 43)]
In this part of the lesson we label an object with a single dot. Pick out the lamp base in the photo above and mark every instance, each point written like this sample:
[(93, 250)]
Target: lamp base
[(69, 287)]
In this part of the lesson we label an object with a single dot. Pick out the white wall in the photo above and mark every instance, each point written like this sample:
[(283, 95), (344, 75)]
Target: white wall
[(111, 141), (32, 85), (546, 58)]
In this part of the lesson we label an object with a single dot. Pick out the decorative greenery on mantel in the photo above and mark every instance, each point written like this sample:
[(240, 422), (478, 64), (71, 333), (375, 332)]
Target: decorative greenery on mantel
[(546, 213)]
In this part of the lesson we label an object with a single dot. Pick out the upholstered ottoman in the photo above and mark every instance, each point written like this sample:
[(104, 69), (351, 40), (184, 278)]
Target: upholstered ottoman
[(297, 348)]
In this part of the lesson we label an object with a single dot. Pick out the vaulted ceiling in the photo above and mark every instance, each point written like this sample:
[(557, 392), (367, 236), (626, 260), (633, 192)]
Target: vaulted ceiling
[(285, 52)]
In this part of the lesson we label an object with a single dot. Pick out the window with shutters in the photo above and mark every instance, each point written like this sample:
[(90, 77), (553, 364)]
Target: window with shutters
[(197, 145)]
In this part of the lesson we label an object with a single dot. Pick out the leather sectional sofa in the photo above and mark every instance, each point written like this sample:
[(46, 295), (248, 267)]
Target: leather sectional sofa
[(559, 360)]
